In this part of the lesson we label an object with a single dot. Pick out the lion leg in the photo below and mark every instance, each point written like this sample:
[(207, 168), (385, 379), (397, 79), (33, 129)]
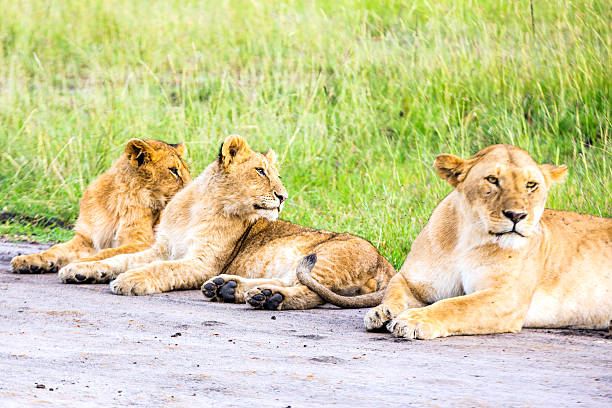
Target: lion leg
[(161, 276), (274, 297), (397, 298), (233, 288), (484, 312), (53, 258), (110, 252), (108, 269)]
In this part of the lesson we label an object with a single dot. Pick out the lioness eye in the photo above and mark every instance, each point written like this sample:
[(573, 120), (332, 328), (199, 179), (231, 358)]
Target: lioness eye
[(173, 170), (531, 185), (491, 179), (261, 171)]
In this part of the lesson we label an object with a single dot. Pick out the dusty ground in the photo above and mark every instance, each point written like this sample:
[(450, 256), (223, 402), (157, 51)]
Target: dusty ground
[(84, 346)]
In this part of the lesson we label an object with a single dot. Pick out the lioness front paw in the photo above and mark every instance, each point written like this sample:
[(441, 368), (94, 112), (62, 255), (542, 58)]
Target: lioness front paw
[(264, 299), (34, 263), (414, 324), (132, 283), (220, 288), (377, 317), (85, 272)]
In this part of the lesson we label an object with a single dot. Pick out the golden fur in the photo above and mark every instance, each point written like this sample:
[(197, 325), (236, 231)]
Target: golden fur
[(119, 209), (491, 259), (221, 233)]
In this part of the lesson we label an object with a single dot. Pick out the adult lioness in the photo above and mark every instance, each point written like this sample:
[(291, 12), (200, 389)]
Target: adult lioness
[(491, 259), (225, 223), (119, 209)]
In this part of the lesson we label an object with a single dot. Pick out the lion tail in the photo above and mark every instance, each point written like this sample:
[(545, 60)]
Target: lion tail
[(349, 302)]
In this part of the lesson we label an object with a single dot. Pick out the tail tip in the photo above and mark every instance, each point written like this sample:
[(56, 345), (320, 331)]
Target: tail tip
[(309, 261)]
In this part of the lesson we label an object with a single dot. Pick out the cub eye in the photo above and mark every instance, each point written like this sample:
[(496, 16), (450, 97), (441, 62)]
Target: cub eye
[(173, 170), (261, 171), (531, 185), (492, 179)]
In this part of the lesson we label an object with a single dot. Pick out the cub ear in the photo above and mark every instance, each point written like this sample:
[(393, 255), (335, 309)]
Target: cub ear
[(451, 168), (181, 149), (140, 153), (554, 174), (271, 155), (232, 150)]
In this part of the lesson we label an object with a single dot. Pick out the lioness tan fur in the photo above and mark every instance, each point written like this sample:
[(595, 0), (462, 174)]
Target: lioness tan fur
[(119, 209), (491, 259), (222, 233)]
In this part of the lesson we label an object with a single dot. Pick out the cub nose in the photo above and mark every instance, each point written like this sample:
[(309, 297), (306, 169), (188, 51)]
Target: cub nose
[(280, 197), (514, 216)]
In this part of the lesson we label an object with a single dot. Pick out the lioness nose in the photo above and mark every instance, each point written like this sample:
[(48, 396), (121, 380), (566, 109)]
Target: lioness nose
[(515, 216), (280, 197)]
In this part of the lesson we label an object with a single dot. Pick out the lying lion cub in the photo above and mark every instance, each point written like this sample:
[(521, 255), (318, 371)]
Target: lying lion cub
[(221, 233), (119, 209), (491, 259)]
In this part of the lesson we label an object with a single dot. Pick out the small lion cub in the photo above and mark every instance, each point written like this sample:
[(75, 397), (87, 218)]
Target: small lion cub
[(119, 209)]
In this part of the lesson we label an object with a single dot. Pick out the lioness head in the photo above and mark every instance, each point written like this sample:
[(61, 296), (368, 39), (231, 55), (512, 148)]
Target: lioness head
[(159, 166), (250, 183), (502, 189)]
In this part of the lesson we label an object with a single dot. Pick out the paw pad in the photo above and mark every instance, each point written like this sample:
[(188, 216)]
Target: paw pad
[(265, 299), (218, 289)]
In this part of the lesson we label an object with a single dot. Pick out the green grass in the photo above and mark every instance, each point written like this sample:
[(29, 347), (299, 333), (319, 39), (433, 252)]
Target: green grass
[(357, 97)]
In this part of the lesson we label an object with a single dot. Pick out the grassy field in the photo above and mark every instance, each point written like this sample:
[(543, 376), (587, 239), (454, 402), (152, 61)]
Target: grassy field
[(356, 97)]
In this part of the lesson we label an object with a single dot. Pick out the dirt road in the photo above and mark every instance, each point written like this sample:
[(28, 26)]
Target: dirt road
[(80, 345)]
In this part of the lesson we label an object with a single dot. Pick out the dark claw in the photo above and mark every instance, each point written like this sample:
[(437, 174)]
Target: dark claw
[(80, 277)]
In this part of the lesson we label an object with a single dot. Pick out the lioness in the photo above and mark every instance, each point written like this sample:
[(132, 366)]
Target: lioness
[(221, 233), (491, 259), (119, 209)]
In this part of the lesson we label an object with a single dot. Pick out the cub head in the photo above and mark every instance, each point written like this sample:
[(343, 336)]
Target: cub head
[(249, 181), (502, 189), (159, 166)]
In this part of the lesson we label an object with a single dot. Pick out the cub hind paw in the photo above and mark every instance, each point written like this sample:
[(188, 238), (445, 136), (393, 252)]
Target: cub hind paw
[(264, 299), (220, 289)]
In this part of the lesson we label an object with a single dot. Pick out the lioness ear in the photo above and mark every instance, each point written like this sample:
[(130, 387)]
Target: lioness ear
[(271, 155), (181, 149), (451, 168), (140, 152), (232, 149), (554, 174)]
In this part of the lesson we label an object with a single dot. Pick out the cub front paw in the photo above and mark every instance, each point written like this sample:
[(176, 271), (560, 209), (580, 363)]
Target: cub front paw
[(264, 299), (221, 289), (377, 317), (85, 272), (413, 324), (33, 263), (132, 284)]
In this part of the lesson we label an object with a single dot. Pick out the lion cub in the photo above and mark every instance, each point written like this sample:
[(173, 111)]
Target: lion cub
[(119, 209), (492, 259), (222, 233)]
